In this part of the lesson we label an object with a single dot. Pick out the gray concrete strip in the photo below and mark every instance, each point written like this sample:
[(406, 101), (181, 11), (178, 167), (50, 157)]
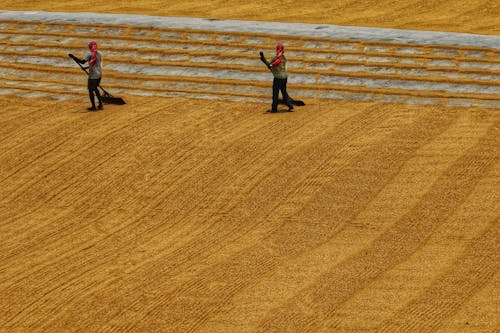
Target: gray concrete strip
[(234, 74), (326, 31)]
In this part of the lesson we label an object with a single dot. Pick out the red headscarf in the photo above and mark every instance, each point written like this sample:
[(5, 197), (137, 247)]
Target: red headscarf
[(280, 50), (93, 49)]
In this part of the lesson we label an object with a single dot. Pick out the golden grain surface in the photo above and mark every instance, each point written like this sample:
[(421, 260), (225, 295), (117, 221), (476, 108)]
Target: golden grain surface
[(184, 215), (478, 16)]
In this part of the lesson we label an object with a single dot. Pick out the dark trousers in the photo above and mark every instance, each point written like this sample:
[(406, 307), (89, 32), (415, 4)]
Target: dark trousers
[(280, 85), (92, 85)]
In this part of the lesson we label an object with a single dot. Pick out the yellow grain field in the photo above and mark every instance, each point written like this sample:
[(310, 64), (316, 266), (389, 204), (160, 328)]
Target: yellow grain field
[(478, 16), (184, 215), (189, 215)]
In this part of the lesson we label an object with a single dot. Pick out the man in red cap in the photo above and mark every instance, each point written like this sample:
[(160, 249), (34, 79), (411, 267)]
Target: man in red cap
[(278, 67), (94, 58)]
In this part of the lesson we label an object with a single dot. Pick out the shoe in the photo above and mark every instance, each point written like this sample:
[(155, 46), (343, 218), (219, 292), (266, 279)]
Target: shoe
[(92, 108), (290, 108), (273, 111), (100, 107)]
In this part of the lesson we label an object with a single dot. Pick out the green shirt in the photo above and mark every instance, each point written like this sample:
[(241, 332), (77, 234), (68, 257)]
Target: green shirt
[(279, 72)]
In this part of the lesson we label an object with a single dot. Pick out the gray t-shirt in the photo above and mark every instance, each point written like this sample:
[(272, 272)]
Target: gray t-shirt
[(95, 71)]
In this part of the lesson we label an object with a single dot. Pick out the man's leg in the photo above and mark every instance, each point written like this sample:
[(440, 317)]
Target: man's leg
[(276, 90), (90, 86), (98, 94), (286, 98)]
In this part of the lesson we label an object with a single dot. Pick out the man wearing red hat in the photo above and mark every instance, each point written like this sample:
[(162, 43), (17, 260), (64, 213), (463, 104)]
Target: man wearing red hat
[(278, 67), (94, 58)]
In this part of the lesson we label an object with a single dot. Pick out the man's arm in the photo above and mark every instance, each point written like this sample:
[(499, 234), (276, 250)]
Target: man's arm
[(264, 60), (81, 61)]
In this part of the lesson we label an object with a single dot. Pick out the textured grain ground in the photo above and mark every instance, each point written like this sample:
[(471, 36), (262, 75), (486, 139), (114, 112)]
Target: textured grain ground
[(182, 215), (478, 16), (185, 215)]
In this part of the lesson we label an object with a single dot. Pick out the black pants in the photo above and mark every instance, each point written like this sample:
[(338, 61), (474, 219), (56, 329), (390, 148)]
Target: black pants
[(280, 85), (92, 85)]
